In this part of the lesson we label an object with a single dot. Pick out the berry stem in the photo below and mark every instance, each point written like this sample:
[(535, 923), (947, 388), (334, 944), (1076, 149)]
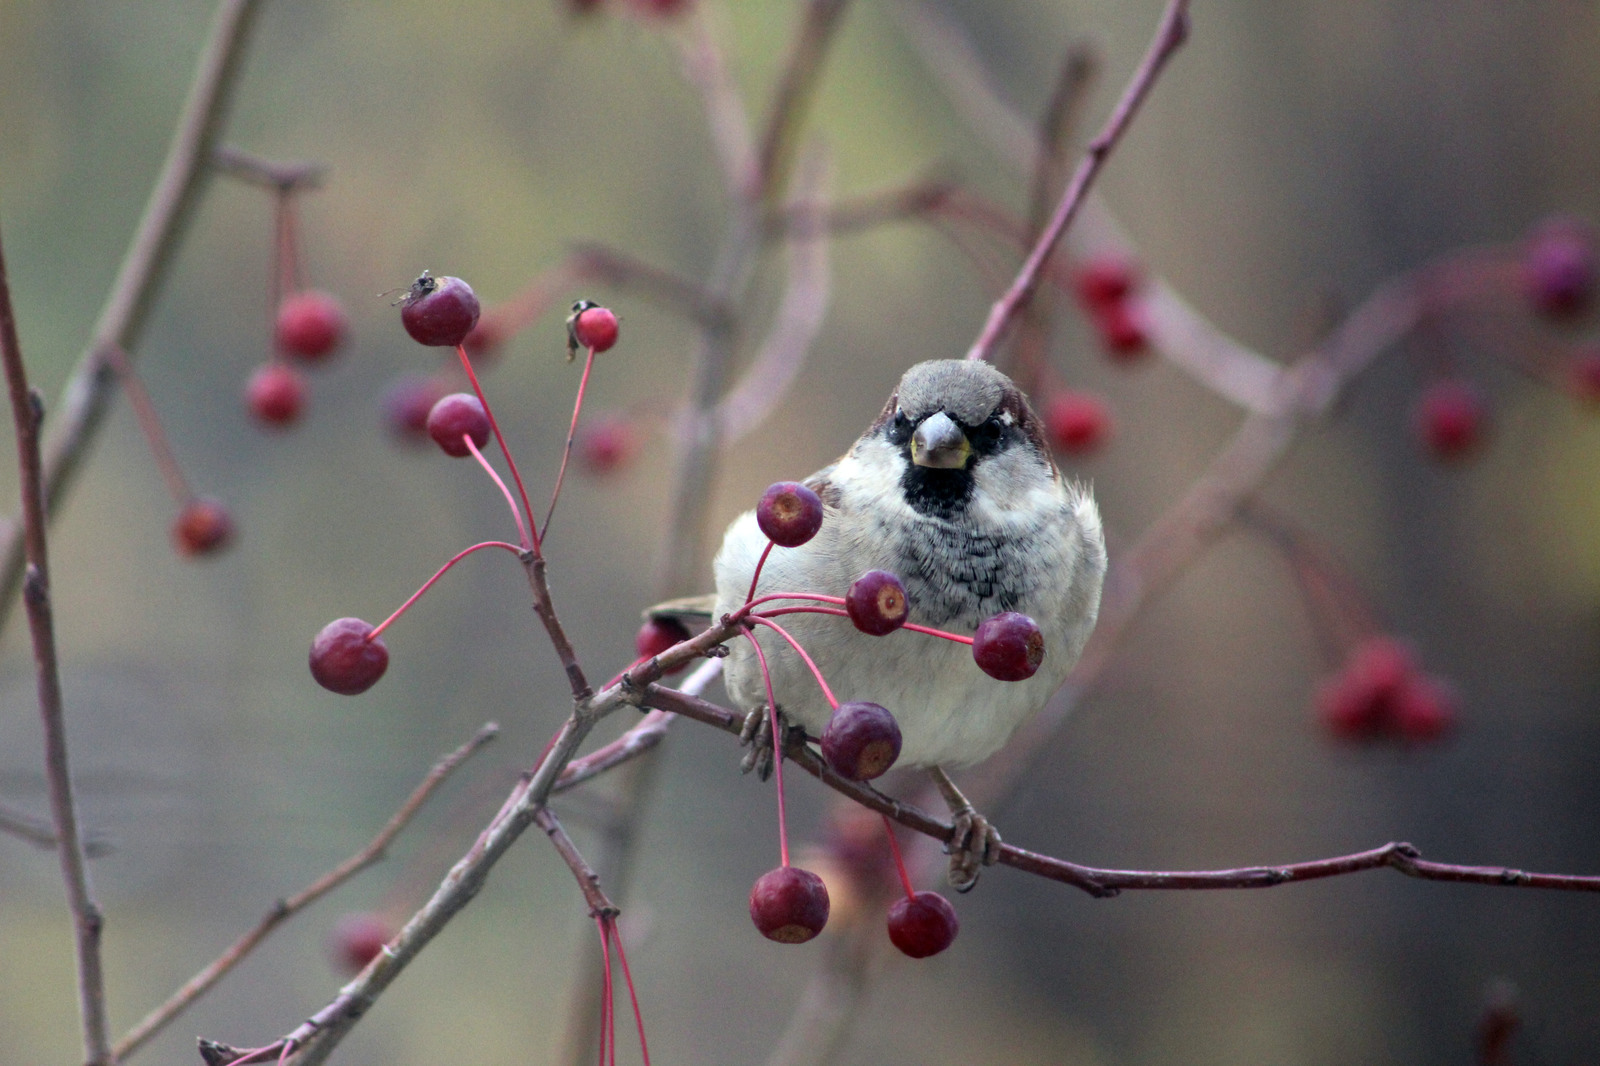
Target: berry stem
[(566, 453), (899, 860), (516, 475), (633, 996), (381, 626), (516, 515), (750, 597), (777, 747), (837, 601), (929, 630), (816, 673), (608, 1033), (149, 424)]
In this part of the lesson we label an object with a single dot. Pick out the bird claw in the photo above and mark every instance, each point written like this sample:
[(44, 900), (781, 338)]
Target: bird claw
[(756, 733), (974, 845)]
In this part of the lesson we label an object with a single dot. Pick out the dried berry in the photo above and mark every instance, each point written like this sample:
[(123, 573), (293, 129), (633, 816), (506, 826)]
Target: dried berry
[(861, 741), (1008, 646), (789, 905), (877, 603), (789, 514)]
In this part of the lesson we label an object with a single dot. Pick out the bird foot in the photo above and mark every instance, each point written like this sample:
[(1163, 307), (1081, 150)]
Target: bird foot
[(975, 842), (757, 735)]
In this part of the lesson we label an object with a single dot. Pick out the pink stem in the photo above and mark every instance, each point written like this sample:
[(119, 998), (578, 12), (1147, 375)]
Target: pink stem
[(795, 644), (899, 861), (512, 548), (750, 597), (516, 475), (633, 997), (777, 747), (516, 516), (572, 431)]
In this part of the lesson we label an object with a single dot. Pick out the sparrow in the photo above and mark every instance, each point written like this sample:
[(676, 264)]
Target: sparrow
[(953, 490)]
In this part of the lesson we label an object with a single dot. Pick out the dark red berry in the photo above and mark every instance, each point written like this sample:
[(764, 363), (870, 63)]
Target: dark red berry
[(1425, 710), (439, 311), (1583, 376), (657, 635), (276, 394), (1105, 281), (605, 445), (861, 741), (310, 325), (1121, 332), (346, 658), (922, 925), (1559, 266), (408, 401), (1451, 419), (454, 417), (1008, 646), (789, 905), (877, 603), (203, 526), (595, 328), (1362, 700), (1076, 422), (789, 514), (357, 940)]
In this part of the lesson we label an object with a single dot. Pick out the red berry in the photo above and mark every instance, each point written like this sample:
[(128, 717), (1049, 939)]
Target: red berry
[(1558, 267), (593, 327), (454, 417), (407, 403), (861, 741), (202, 527), (357, 940), (877, 603), (1359, 702), (605, 445), (922, 925), (1583, 377), (439, 312), (657, 635), (276, 394), (1077, 422), (789, 514), (789, 905), (1104, 282), (1121, 332), (310, 325), (483, 341), (1451, 419), (1008, 646), (1425, 710), (346, 658)]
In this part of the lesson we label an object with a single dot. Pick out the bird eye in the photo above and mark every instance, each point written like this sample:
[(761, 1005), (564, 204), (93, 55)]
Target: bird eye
[(986, 434)]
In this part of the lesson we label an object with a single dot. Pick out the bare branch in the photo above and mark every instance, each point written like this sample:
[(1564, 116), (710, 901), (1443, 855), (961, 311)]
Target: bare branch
[(256, 170)]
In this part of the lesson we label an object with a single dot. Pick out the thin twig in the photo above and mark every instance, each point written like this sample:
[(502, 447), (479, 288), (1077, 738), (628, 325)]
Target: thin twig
[(257, 170), (588, 880), (286, 908), (27, 413), (39, 832), (796, 88)]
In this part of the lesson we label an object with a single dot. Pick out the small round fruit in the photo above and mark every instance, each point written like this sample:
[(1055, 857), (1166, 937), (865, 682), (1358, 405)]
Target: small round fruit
[(203, 526), (657, 635), (789, 514), (789, 905), (1008, 646), (439, 312), (357, 940), (1104, 282), (1451, 419), (594, 327), (1425, 710), (1076, 422), (923, 924), (1559, 266), (407, 402), (1121, 332), (310, 325), (276, 394), (606, 445), (861, 741), (877, 603), (346, 658), (455, 417)]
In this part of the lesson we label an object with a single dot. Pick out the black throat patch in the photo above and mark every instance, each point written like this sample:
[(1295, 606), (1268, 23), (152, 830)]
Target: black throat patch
[(936, 493)]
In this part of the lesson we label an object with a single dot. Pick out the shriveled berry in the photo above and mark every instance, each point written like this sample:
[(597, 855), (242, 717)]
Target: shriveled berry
[(657, 635), (346, 658), (203, 526), (1008, 646), (407, 402), (455, 417), (789, 905), (1559, 267), (1122, 333), (439, 311), (1451, 419), (1105, 281), (877, 603), (605, 445), (861, 741), (789, 514), (310, 325), (1076, 422), (357, 940), (923, 924), (593, 326), (276, 394)]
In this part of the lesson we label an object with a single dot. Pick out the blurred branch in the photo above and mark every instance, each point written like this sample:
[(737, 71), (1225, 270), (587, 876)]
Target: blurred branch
[(38, 832), (798, 84), (257, 170), (286, 908), (706, 70)]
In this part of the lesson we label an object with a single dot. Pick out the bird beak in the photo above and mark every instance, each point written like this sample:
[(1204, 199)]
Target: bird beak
[(940, 444)]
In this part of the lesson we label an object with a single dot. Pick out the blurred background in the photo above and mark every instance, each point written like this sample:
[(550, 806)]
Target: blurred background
[(1294, 157)]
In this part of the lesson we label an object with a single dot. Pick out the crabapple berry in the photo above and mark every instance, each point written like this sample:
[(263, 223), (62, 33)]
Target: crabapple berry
[(605, 445), (593, 326), (922, 924), (202, 527), (877, 603), (310, 325), (1121, 332), (408, 401), (1105, 282), (789, 514), (276, 394), (789, 905), (1425, 710), (1008, 646), (1559, 267), (657, 635), (439, 312), (455, 417), (1076, 422), (346, 658), (357, 940), (861, 741), (1450, 417)]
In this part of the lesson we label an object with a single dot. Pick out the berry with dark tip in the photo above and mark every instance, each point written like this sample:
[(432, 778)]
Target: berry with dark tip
[(357, 940), (439, 312), (877, 603), (1008, 646), (455, 417), (1559, 267), (203, 526), (1076, 422), (276, 394), (310, 325), (789, 905), (346, 658), (591, 326), (1451, 419), (657, 635), (408, 401), (923, 924), (789, 514), (861, 741)]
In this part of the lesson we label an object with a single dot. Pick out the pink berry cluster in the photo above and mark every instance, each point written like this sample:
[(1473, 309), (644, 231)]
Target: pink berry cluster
[(1381, 693), (1107, 288)]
